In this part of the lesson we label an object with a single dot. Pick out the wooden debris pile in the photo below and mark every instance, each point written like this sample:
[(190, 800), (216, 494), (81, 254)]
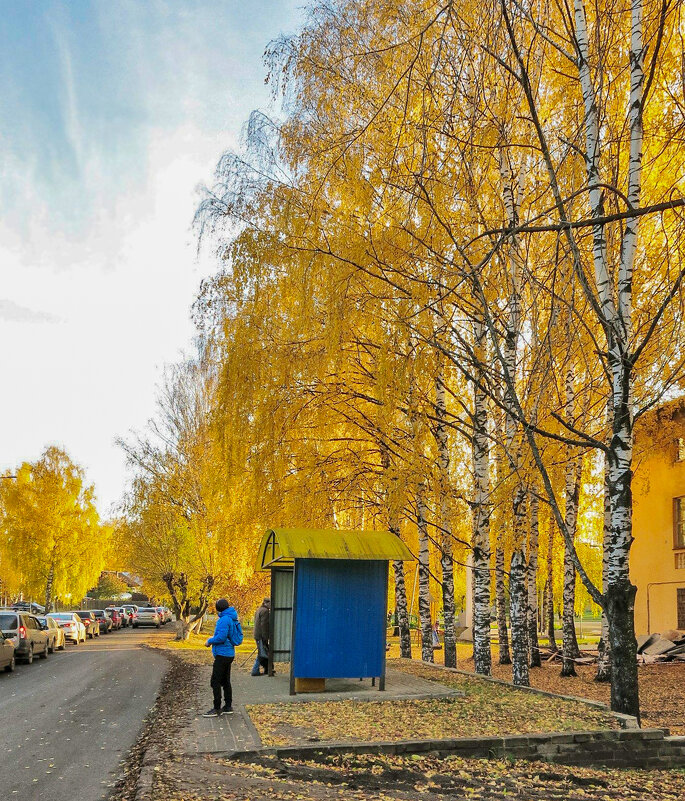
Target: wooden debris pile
[(666, 647), (587, 656)]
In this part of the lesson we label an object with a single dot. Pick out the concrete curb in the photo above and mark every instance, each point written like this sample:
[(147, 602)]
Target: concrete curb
[(144, 783)]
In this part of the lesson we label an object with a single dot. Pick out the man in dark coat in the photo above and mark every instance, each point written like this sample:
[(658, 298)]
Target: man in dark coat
[(261, 635)]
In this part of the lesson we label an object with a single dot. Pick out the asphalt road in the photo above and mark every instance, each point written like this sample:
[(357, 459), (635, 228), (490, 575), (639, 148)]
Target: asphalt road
[(67, 721)]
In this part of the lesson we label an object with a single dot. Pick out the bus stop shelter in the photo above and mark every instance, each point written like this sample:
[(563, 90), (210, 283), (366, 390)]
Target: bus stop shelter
[(329, 597)]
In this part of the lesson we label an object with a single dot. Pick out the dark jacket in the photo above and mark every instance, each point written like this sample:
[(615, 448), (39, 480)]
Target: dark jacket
[(261, 623), (225, 626)]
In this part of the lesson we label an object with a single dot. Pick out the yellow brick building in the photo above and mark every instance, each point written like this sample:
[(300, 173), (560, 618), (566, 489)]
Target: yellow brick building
[(657, 561)]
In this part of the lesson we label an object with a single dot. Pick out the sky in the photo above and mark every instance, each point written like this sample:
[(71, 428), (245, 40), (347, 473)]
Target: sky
[(112, 116)]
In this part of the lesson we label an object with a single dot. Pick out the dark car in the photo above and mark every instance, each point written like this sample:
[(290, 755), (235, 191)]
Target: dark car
[(104, 620), (26, 633), (24, 606), (90, 622), (56, 639), (7, 658)]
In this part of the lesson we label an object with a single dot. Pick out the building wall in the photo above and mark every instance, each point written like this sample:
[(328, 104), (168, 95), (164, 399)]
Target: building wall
[(659, 478)]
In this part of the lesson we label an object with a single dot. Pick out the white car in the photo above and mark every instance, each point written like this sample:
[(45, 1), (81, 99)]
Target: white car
[(71, 625), (147, 616)]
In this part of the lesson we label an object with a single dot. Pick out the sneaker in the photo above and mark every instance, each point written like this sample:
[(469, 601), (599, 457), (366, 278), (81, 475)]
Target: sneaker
[(226, 710), (212, 713)]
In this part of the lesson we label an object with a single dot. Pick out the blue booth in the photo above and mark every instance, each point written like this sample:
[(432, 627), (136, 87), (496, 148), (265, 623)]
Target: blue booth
[(329, 599)]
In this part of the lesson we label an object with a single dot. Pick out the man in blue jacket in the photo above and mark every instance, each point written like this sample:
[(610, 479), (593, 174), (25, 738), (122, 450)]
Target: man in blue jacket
[(227, 634)]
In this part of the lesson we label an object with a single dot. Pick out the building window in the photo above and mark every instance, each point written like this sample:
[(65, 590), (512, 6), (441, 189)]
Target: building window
[(680, 560), (681, 609), (680, 449), (679, 522)]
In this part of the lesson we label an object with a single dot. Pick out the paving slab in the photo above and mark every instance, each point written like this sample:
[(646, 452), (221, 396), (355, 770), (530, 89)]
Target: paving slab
[(236, 733)]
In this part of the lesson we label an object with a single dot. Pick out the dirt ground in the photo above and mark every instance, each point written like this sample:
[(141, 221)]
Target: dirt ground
[(386, 778), (662, 687), (407, 779)]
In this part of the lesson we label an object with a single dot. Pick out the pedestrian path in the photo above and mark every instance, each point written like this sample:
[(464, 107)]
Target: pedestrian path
[(235, 733)]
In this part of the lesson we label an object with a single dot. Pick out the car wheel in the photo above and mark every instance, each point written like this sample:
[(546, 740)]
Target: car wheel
[(13, 663), (90, 635), (44, 653), (63, 646), (52, 648), (157, 625), (29, 656)]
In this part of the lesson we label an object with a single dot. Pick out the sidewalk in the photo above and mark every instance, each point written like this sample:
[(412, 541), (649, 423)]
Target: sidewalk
[(235, 733)]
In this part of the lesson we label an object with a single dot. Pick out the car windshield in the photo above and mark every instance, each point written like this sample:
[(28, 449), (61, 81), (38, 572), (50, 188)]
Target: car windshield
[(8, 622), (99, 614), (60, 616), (83, 615)]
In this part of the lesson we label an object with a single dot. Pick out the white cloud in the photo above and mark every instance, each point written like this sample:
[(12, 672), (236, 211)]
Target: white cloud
[(97, 190), (123, 294)]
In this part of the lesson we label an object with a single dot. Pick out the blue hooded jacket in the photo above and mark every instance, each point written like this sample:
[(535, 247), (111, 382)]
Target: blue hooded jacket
[(225, 626)]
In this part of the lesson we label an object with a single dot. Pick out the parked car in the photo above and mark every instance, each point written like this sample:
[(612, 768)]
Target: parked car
[(56, 639), (147, 616), (162, 615), (105, 621), (132, 612), (90, 622), (71, 624), (26, 632), (25, 606), (7, 657), (116, 616), (125, 616)]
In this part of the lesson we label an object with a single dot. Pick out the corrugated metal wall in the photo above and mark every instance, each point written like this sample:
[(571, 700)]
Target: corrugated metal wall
[(281, 614), (340, 618)]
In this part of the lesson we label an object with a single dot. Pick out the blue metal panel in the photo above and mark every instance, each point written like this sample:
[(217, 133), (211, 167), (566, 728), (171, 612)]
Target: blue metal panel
[(340, 619)]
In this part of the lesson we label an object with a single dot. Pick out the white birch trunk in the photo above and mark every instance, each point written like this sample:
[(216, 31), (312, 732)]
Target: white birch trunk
[(532, 579), (619, 593), (424, 577), (549, 589), (49, 586), (445, 524), (604, 660), (501, 599), (392, 504), (519, 635), (517, 594), (517, 612), (402, 609), (480, 543), (570, 649)]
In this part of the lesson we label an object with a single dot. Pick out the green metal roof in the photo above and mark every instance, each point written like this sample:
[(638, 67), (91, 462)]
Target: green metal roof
[(281, 546)]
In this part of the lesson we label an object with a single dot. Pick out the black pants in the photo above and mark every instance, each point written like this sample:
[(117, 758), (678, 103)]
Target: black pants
[(221, 677)]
